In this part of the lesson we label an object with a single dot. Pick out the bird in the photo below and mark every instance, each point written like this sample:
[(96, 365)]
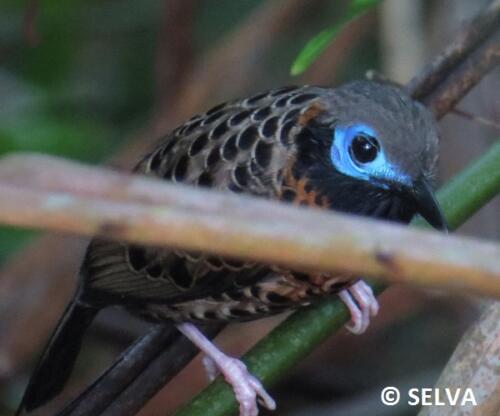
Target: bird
[(364, 148)]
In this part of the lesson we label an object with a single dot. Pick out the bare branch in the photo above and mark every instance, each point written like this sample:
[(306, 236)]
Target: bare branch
[(473, 33), (92, 201), (467, 74)]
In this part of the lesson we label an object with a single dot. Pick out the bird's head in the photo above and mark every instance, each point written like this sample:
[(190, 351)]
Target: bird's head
[(373, 151)]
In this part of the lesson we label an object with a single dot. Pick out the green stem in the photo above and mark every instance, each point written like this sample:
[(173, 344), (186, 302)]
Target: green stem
[(298, 335)]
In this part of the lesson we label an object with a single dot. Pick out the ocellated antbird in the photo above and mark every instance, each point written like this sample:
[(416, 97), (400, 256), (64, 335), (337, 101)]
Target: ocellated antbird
[(363, 148)]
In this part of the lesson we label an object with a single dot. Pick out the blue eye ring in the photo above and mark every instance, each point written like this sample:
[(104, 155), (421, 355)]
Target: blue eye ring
[(342, 153), (363, 148), (372, 166)]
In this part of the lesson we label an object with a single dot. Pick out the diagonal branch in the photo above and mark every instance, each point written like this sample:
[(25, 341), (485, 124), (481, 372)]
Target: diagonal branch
[(479, 28)]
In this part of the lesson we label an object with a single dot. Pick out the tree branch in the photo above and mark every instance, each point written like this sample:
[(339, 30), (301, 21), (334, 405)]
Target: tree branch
[(150, 211), (479, 28)]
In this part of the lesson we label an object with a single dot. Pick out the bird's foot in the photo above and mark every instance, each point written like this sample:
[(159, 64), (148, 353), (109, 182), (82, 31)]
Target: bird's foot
[(362, 305), (247, 388)]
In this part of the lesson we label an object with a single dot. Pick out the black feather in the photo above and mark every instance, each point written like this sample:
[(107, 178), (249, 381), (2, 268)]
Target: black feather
[(58, 359)]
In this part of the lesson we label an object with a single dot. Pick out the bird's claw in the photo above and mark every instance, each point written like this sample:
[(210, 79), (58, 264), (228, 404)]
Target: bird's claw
[(362, 305), (247, 388)]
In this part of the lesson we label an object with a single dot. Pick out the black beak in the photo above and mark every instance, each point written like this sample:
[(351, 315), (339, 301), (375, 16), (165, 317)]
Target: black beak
[(427, 205)]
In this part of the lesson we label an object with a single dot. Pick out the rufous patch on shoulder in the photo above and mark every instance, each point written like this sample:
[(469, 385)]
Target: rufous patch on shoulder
[(314, 110)]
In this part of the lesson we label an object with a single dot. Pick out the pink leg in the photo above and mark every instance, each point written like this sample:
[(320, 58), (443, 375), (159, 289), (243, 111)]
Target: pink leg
[(362, 305), (246, 387)]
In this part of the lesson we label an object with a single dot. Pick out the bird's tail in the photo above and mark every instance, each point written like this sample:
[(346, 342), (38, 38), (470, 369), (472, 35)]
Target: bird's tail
[(59, 356)]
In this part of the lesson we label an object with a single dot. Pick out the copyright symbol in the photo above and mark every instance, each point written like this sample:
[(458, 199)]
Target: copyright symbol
[(390, 396)]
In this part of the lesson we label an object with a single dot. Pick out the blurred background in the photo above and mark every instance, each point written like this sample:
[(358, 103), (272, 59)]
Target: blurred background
[(101, 81)]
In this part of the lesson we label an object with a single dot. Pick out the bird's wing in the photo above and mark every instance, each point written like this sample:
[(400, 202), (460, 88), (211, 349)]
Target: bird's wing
[(241, 146)]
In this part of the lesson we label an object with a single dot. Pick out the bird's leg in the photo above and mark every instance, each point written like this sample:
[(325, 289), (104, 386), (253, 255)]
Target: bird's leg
[(210, 368), (247, 388), (362, 305)]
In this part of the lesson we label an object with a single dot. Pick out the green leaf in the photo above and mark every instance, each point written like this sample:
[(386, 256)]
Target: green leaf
[(320, 42)]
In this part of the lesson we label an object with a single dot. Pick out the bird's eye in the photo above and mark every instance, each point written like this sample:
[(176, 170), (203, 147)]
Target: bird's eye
[(364, 148)]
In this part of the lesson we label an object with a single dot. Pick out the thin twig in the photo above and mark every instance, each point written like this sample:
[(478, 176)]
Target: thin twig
[(465, 76), (476, 118)]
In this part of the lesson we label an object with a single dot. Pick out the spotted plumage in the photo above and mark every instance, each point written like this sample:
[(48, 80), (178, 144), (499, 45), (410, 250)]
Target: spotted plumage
[(242, 146), (363, 148)]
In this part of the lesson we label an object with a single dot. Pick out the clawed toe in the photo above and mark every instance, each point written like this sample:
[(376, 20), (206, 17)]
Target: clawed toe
[(247, 388), (362, 305)]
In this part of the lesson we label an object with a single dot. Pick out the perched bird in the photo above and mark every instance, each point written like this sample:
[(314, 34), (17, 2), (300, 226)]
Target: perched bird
[(363, 148)]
